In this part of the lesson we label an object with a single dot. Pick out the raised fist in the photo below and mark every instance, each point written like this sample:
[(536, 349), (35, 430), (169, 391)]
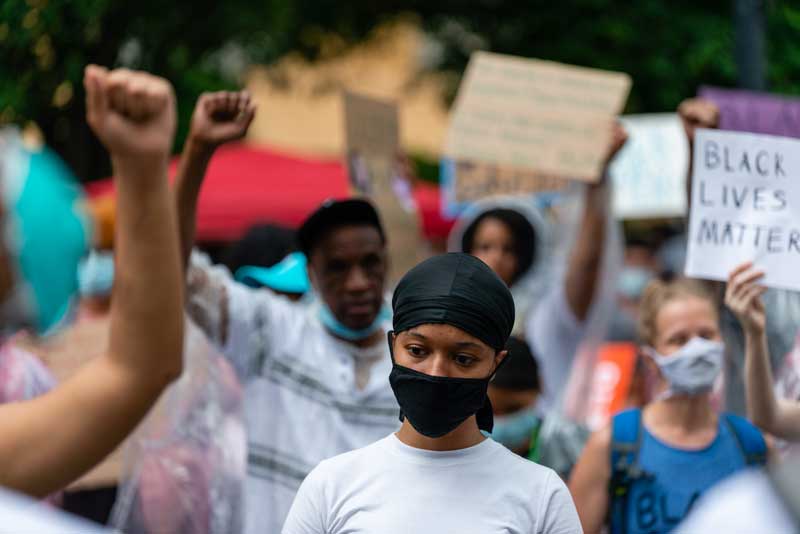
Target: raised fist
[(698, 113), (221, 117), (133, 113)]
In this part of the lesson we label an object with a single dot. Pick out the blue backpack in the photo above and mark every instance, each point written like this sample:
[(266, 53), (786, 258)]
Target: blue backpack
[(626, 440)]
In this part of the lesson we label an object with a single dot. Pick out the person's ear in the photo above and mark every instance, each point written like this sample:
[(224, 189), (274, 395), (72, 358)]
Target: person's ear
[(499, 358)]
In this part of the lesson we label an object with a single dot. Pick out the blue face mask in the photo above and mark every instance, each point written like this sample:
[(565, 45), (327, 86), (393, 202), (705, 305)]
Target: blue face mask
[(633, 280), (340, 330), (514, 431)]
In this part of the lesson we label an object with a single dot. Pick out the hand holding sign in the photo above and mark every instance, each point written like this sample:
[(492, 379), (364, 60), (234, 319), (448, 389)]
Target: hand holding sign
[(743, 298), (745, 197), (698, 113), (618, 139)]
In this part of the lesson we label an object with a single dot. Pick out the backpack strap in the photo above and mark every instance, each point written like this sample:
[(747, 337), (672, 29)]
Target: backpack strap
[(748, 438), (626, 440)]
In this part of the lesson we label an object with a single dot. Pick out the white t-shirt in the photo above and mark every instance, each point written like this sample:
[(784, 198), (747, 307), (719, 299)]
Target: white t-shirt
[(391, 488), (743, 504), (21, 515), (302, 403)]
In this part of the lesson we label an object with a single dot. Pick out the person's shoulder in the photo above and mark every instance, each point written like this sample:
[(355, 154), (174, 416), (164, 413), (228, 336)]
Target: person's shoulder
[(518, 468), (352, 461)]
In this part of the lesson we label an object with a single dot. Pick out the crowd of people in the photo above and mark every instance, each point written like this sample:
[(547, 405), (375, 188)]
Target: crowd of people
[(330, 398)]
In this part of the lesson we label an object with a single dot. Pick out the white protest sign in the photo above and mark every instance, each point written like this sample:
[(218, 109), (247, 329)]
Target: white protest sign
[(649, 173), (540, 116), (745, 206)]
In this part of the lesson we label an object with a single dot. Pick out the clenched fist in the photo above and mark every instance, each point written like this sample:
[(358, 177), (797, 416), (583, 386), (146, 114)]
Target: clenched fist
[(221, 117), (133, 113), (698, 113)]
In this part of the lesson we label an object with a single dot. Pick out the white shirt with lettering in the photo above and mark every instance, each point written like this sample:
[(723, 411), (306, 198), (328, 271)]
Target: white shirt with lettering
[(392, 488)]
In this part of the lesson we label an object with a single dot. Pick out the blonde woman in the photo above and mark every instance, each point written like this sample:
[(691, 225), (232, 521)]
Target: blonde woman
[(643, 473)]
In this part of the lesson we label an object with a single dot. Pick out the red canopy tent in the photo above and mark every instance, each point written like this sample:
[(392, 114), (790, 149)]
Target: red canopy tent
[(247, 185)]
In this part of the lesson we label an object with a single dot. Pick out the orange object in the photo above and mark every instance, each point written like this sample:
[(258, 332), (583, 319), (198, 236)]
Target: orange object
[(611, 382)]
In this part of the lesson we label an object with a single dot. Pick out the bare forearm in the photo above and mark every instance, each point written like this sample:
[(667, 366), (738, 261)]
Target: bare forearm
[(192, 170), (761, 403), (146, 312), (586, 258)]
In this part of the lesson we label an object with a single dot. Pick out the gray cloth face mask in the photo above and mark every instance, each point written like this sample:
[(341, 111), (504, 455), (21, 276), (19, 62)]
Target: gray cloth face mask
[(691, 370)]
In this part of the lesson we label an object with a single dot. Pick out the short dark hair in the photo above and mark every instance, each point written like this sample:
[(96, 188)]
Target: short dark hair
[(521, 229), (263, 245), (333, 214), (521, 371)]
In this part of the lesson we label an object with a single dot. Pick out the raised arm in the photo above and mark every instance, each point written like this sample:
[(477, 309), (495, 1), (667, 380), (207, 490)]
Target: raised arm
[(586, 258), (217, 118), (780, 418), (590, 479), (47, 442)]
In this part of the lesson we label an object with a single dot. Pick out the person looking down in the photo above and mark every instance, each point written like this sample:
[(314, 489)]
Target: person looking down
[(439, 473), (48, 442), (315, 374), (645, 471)]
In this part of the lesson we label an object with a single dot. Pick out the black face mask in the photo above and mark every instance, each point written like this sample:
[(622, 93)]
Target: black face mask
[(436, 405)]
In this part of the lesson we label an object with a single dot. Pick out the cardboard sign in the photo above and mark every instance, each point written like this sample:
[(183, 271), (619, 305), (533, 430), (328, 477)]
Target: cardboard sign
[(749, 111), (475, 180), (745, 207), (540, 116), (372, 132), (371, 126), (649, 173)]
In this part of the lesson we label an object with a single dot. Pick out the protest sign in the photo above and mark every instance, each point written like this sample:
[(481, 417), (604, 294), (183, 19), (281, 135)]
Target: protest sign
[(649, 173), (745, 206), (452, 177), (749, 111), (540, 116), (371, 126), (372, 138)]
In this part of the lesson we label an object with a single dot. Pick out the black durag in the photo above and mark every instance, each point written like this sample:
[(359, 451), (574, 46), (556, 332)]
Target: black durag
[(460, 290)]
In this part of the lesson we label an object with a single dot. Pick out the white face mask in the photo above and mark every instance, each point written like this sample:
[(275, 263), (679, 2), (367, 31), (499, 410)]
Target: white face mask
[(692, 369)]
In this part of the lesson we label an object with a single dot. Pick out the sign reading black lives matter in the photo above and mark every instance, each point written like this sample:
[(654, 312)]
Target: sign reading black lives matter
[(745, 206)]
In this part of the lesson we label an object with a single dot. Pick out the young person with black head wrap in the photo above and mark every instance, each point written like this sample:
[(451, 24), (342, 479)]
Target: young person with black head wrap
[(438, 473)]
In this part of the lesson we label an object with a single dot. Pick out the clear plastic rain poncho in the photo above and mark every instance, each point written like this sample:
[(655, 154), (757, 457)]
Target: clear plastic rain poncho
[(185, 466), (556, 220)]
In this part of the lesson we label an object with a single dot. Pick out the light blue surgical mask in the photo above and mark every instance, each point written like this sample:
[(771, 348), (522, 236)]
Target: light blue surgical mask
[(515, 430), (340, 330), (96, 274), (633, 280)]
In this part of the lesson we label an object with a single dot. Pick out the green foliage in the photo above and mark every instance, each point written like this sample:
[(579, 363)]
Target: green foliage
[(668, 47)]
